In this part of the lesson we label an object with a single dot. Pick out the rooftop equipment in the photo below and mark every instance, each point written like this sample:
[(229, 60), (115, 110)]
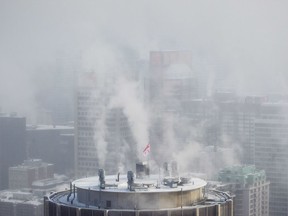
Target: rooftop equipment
[(130, 177), (101, 174)]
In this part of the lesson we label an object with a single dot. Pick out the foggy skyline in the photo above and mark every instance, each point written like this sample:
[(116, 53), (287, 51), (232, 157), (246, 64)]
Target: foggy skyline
[(245, 40)]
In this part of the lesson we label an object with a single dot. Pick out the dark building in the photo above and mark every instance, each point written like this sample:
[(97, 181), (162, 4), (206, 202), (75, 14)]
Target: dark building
[(53, 144), (12, 145)]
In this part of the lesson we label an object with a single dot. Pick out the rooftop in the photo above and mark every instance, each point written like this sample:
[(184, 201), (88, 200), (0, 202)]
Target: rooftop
[(245, 175), (19, 196), (150, 184)]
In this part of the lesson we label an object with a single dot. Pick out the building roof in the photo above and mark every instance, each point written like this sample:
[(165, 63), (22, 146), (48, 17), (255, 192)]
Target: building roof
[(20, 196), (245, 175), (150, 185)]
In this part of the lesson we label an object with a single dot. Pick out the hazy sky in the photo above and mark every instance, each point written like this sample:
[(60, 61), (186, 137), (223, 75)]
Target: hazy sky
[(248, 38)]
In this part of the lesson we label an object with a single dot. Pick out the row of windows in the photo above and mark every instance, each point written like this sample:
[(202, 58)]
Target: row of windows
[(86, 133), (90, 104), (89, 113), (86, 153), (86, 143), (87, 164), (86, 124)]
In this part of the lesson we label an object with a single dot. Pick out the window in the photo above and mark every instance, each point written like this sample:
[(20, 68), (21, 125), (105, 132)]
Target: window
[(108, 204)]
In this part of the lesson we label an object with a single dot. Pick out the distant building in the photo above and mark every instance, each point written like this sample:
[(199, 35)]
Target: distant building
[(53, 144), (102, 134), (24, 175), (29, 183), (20, 203), (236, 123), (250, 187), (172, 84), (12, 145), (258, 125), (202, 114), (172, 80), (271, 153)]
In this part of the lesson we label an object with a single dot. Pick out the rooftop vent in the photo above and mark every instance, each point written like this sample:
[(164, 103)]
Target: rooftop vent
[(142, 169), (130, 177), (101, 174)]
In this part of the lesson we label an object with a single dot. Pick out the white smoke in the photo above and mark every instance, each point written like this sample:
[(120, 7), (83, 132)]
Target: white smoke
[(100, 133), (127, 96)]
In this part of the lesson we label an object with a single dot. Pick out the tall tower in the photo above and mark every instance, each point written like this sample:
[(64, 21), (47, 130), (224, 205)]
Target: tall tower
[(237, 124), (103, 138), (171, 84), (271, 153), (171, 77), (261, 129)]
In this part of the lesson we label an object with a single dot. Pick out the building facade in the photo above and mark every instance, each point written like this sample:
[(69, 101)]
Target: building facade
[(42, 140), (102, 134), (22, 176), (271, 153), (171, 77), (250, 187), (19, 203), (258, 125), (12, 145)]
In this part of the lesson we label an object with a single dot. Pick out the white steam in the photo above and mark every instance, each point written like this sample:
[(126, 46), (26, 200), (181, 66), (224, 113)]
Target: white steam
[(127, 96)]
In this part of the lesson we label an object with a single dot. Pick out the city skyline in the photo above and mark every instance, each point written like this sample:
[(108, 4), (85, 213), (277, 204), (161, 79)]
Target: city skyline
[(88, 85)]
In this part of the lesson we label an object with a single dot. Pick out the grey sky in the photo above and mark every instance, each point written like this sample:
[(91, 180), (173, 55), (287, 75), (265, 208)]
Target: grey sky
[(248, 37)]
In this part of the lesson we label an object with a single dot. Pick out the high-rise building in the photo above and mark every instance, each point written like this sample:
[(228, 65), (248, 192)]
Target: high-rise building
[(271, 153), (103, 136), (172, 84), (145, 195), (250, 187), (172, 80), (258, 125), (12, 145), (236, 124)]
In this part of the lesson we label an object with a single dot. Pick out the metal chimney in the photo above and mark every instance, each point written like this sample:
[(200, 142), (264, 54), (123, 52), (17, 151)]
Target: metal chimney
[(101, 174), (130, 177)]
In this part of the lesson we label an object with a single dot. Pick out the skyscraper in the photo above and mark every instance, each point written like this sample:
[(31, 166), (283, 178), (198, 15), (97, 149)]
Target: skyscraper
[(259, 127), (172, 83), (250, 187), (236, 122), (271, 153), (103, 137), (172, 80), (144, 195)]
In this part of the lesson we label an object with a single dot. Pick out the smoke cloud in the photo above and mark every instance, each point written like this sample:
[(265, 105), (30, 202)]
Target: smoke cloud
[(238, 44), (127, 96)]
